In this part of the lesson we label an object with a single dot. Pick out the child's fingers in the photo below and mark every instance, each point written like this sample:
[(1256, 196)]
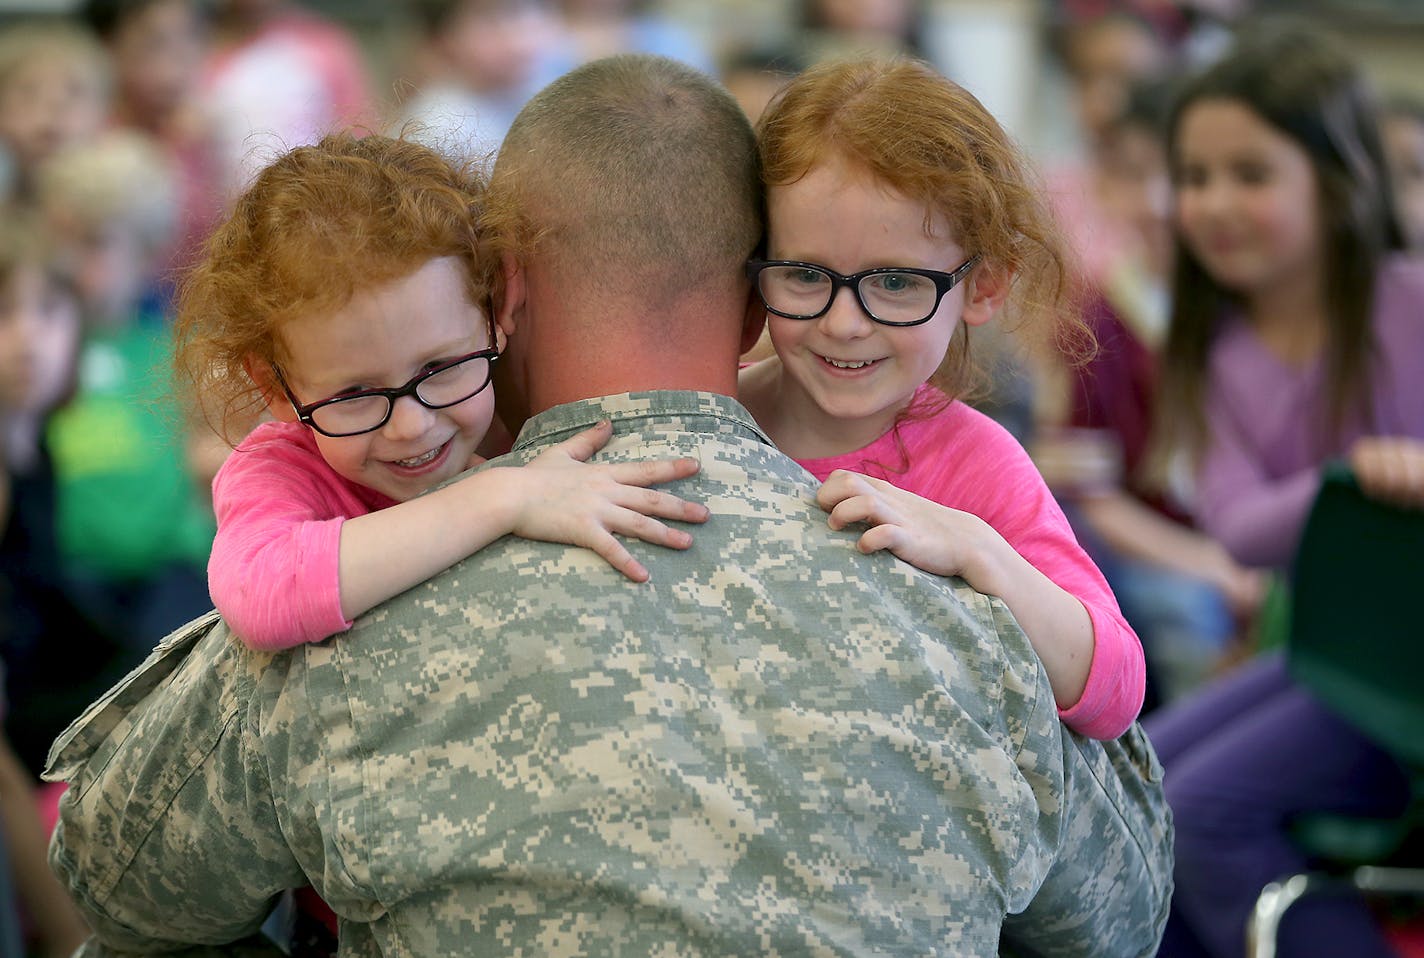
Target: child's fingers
[(640, 526), (586, 443), (664, 505), (832, 490), (652, 472), (617, 555), (839, 486), (652, 503), (881, 538), (860, 508)]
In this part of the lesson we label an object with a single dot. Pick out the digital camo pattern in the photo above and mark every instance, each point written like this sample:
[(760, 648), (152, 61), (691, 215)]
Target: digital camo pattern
[(777, 746)]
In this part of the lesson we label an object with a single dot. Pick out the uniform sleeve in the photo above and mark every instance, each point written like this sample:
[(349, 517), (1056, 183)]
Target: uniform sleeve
[(1020, 507), (1104, 828), (1109, 888), (169, 837), (274, 571)]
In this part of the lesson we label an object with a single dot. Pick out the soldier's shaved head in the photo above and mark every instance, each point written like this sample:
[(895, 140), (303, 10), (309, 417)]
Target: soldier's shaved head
[(635, 168)]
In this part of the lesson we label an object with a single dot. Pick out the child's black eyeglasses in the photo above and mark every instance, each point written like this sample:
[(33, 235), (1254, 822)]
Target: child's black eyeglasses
[(366, 410), (892, 296)]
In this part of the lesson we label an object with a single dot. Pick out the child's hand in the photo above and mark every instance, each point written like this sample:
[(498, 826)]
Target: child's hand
[(1390, 468), (563, 498), (925, 534)]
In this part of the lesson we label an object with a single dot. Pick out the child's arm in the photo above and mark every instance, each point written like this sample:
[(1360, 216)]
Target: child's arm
[(949, 542), (557, 497), (293, 563)]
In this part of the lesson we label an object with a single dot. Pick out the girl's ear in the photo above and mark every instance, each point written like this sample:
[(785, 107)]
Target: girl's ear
[(272, 393), (986, 289)]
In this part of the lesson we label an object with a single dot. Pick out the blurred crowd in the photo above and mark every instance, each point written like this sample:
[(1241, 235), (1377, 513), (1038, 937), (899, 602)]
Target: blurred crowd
[(127, 126)]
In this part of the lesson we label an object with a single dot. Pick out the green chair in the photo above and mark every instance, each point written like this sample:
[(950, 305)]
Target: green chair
[(1356, 640)]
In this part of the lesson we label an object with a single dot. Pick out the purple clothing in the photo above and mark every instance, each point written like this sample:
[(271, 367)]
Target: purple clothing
[(1266, 422), (962, 459), (1242, 759), (1255, 750), (273, 572)]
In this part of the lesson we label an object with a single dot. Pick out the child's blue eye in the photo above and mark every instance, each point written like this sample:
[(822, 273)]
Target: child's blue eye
[(897, 283)]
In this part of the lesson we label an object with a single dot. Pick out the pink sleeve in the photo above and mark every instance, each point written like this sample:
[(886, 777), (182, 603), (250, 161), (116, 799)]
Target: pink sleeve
[(989, 474), (273, 572)]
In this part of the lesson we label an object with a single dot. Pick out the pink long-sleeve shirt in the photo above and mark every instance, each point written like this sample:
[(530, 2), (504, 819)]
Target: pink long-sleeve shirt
[(274, 568), (962, 459)]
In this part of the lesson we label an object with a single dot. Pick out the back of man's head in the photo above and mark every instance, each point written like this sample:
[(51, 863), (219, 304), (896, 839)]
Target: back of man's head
[(636, 175)]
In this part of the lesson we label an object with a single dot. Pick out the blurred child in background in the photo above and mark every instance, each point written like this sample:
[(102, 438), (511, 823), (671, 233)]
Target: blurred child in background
[(838, 28), (278, 75), (54, 92), (133, 518), (57, 659), (1188, 599), (1403, 127), (1104, 55), (601, 28), (158, 48), (477, 63), (1295, 338), (53, 659)]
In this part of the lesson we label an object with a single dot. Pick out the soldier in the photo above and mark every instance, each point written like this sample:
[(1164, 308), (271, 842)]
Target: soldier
[(776, 745)]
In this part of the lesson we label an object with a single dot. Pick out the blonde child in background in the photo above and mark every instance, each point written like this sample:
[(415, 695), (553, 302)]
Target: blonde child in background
[(1295, 338), (55, 87), (900, 215), (347, 295), (133, 517)]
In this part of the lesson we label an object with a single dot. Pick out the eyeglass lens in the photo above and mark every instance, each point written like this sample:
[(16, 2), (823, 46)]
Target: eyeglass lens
[(444, 387), (801, 291)]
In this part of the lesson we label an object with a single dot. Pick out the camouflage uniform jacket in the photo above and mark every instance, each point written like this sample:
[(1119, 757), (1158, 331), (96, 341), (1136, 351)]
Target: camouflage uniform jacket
[(778, 746)]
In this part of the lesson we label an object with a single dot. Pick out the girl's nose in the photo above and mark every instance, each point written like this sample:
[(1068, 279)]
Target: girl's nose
[(409, 419), (845, 319), (1218, 196)]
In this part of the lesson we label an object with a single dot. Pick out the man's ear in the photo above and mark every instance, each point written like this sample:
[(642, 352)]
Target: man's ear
[(273, 395), (986, 289), (753, 322), (510, 305)]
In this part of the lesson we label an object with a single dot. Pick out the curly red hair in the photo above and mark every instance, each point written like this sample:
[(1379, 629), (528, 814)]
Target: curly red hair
[(929, 139), (318, 225)]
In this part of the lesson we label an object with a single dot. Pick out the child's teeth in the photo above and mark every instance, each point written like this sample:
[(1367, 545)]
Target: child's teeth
[(840, 364), (418, 460)]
